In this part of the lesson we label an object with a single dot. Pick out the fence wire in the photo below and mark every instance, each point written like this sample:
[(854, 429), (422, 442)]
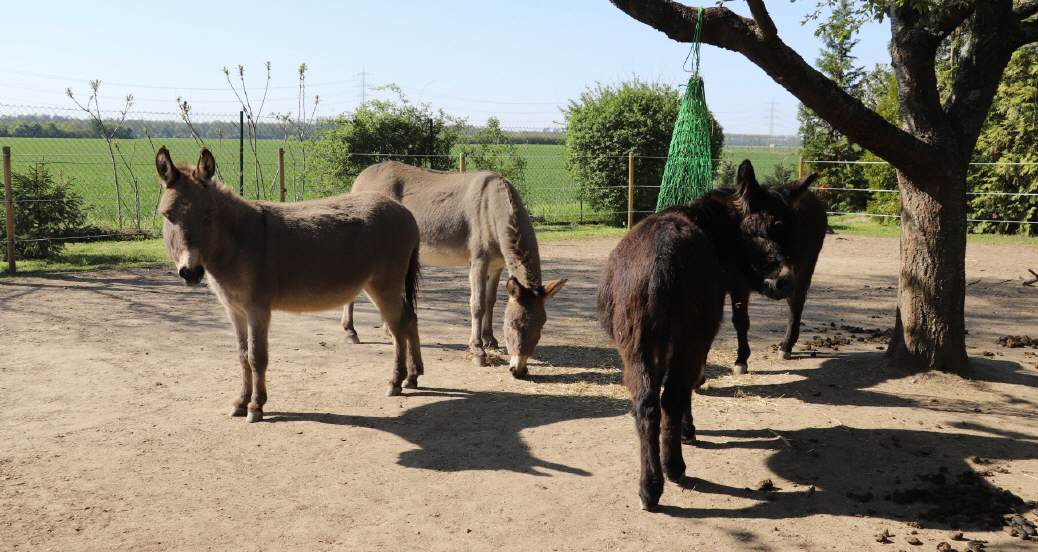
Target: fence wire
[(113, 180)]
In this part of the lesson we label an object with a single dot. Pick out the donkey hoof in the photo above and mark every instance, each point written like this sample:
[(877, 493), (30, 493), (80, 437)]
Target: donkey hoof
[(351, 337), (411, 383), (393, 391), (688, 435), (650, 497), (787, 355), (674, 473), (740, 369), (254, 416), (479, 360), (519, 374), (238, 410)]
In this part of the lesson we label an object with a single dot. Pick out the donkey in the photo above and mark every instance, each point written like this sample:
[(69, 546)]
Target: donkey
[(809, 234), (475, 219), (661, 299), (259, 256)]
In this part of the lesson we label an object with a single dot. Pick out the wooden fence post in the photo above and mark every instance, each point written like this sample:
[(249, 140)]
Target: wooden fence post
[(461, 162), (630, 189), (9, 204), (281, 172), (800, 171)]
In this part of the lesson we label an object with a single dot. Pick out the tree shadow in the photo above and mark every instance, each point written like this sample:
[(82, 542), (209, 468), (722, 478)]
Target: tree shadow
[(470, 430), (847, 471), (846, 380)]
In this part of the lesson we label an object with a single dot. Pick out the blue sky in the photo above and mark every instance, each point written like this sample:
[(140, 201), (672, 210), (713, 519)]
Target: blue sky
[(519, 61)]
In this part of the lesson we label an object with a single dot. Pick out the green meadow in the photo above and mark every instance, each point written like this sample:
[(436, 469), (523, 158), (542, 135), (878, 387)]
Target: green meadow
[(550, 193)]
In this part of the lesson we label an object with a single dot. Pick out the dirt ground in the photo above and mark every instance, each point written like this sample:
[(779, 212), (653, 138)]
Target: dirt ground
[(115, 386)]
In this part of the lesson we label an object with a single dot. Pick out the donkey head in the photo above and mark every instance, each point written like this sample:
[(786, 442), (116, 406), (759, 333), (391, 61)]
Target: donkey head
[(766, 232), (187, 208), (524, 320)]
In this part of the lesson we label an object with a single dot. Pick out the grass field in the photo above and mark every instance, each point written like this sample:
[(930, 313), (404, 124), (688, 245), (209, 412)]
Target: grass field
[(551, 194)]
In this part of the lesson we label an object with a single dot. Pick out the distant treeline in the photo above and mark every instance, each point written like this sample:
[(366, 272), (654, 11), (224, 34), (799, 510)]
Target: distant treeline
[(57, 126)]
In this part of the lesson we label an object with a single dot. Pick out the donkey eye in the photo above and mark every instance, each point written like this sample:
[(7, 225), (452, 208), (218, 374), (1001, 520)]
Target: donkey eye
[(167, 215)]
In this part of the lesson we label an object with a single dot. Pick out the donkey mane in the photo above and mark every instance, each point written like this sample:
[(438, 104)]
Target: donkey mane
[(518, 243)]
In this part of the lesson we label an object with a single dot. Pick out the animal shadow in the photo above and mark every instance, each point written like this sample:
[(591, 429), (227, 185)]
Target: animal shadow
[(470, 430)]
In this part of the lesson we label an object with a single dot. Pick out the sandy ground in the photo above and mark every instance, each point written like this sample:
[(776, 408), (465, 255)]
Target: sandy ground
[(114, 388)]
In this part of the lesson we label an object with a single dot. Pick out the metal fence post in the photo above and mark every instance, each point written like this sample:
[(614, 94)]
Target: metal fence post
[(9, 204), (461, 162), (800, 170), (630, 189), (241, 153), (281, 172)]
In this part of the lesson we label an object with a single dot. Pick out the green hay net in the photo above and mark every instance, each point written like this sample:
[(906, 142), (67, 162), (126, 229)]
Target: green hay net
[(689, 171)]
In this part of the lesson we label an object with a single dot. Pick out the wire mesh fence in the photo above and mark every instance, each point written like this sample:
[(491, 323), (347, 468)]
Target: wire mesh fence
[(106, 169)]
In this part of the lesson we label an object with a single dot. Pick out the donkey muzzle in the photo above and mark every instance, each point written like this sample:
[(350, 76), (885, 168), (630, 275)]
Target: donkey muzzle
[(517, 365), (778, 288), (192, 276)]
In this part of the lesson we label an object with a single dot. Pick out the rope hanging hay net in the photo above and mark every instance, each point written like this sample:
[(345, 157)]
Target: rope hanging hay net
[(689, 173)]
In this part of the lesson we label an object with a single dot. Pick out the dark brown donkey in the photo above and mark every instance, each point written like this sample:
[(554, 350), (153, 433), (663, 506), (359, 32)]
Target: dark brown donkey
[(808, 235), (259, 256), (661, 299)]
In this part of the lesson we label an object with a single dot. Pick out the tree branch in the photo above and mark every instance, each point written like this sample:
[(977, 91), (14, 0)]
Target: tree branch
[(1026, 9), (765, 25), (912, 51), (992, 35), (723, 28), (1028, 32)]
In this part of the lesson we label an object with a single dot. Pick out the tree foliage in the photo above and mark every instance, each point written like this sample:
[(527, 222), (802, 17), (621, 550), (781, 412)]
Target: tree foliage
[(391, 130), (605, 123), (819, 140), (1010, 137), (490, 150), (44, 208)]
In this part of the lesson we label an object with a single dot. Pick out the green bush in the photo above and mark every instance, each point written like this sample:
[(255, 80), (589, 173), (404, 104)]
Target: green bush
[(391, 129), (604, 124), (44, 208), (489, 150)]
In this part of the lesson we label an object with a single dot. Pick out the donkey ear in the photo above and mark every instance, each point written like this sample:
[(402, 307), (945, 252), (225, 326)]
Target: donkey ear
[(514, 288), (745, 180), (206, 167), (164, 166), (799, 187), (553, 287)]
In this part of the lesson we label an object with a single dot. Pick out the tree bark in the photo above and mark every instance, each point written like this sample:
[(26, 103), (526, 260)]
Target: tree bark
[(930, 330)]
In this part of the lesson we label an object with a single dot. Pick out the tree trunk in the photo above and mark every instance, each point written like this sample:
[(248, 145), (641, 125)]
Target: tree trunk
[(930, 329)]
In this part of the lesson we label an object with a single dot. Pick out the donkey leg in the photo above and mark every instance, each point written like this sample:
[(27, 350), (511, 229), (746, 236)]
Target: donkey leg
[(259, 324), (493, 279), (241, 329), (647, 423), (347, 324), (676, 402), (796, 310), (391, 306), (477, 306), (741, 321)]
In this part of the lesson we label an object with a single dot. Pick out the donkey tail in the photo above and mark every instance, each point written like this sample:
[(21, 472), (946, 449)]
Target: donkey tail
[(414, 273)]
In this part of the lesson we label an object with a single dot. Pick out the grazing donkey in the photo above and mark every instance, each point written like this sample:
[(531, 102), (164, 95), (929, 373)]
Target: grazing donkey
[(808, 235), (475, 219), (259, 256), (661, 299)]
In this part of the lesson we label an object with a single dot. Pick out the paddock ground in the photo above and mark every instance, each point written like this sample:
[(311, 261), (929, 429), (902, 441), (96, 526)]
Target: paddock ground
[(114, 388)]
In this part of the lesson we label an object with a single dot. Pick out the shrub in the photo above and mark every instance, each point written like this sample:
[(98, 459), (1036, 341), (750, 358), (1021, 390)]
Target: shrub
[(604, 124), (44, 208), (392, 129), (490, 150)]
